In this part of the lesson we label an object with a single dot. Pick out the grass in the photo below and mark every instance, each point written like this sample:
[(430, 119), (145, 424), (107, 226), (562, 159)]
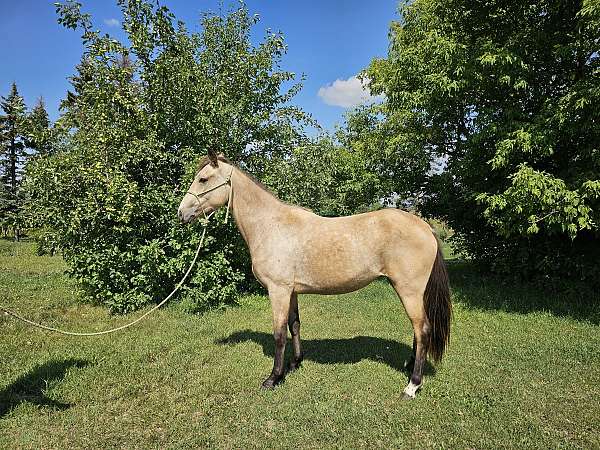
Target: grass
[(523, 370)]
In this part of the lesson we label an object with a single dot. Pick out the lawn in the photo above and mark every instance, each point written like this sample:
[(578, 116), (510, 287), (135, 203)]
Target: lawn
[(522, 370)]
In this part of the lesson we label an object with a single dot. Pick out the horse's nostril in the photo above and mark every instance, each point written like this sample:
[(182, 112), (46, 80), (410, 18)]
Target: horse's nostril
[(180, 214)]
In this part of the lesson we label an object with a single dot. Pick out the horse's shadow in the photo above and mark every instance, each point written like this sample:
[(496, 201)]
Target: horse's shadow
[(31, 386), (337, 351)]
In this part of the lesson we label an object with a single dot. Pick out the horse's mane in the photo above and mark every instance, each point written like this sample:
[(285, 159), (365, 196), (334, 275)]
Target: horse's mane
[(205, 161)]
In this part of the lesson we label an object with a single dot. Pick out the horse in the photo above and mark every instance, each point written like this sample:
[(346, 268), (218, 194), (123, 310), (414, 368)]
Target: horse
[(295, 251)]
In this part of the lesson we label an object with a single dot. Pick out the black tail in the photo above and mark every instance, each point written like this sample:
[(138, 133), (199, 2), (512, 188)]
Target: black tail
[(438, 308)]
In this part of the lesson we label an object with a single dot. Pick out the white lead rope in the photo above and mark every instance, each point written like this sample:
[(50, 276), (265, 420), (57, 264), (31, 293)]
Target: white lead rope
[(122, 327)]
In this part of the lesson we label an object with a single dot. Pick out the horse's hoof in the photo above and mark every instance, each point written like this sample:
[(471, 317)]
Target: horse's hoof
[(410, 391), (406, 397), (271, 382), (294, 365)]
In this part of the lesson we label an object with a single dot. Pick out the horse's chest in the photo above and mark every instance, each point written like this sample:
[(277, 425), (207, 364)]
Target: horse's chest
[(273, 269)]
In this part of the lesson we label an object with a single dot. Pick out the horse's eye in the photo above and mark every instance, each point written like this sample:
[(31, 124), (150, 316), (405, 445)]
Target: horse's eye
[(202, 180)]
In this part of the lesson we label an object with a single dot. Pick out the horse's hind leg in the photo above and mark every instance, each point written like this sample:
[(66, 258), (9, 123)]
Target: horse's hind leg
[(409, 364), (421, 330), (414, 306), (294, 325), (280, 304)]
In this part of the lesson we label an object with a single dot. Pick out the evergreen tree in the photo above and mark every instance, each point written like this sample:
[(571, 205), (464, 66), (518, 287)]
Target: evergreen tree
[(38, 130), (12, 155)]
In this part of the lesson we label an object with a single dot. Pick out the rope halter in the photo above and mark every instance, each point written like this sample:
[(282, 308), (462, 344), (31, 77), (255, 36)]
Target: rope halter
[(226, 180)]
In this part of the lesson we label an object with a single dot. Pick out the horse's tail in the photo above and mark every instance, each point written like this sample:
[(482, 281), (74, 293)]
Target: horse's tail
[(438, 307)]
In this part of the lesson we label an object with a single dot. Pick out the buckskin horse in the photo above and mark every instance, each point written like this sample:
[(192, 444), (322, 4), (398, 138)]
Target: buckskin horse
[(295, 251)]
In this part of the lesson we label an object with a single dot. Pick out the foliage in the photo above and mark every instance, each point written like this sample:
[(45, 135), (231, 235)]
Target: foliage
[(137, 119), (503, 95), (440, 229), (38, 131), (361, 166), (22, 135), (327, 178)]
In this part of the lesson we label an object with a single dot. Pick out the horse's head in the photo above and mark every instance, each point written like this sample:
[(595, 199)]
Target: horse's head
[(210, 189)]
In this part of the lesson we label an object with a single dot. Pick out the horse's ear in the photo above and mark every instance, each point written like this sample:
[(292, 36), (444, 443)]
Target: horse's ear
[(213, 157)]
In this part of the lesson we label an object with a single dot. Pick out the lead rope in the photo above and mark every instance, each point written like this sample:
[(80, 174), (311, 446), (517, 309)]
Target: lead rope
[(122, 327), (230, 194)]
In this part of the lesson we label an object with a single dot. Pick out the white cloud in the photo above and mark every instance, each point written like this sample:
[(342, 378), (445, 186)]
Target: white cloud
[(112, 22), (347, 93)]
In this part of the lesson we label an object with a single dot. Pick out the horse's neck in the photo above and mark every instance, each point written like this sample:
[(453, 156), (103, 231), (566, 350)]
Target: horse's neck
[(253, 208)]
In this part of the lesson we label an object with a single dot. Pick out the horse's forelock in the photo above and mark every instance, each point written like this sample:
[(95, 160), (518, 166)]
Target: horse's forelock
[(205, 161), (202, 162)]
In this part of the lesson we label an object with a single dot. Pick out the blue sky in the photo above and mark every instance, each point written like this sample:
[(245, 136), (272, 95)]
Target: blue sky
[(329, 41)]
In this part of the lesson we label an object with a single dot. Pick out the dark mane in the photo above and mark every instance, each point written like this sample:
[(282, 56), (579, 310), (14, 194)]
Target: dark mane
[(205, 161)]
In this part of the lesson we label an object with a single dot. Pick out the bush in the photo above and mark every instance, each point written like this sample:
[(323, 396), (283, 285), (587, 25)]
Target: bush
[(326, 177), (133, 128)]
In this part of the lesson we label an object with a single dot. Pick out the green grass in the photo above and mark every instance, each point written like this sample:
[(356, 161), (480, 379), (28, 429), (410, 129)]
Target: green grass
[(523, 370)]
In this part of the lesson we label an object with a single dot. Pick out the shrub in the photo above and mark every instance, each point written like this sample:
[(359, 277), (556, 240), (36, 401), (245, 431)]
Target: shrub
[(138, 118)]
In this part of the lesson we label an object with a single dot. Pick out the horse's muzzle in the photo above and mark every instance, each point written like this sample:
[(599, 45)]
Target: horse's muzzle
[(185, 216)]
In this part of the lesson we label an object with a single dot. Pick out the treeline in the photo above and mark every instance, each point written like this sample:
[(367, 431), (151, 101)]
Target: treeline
[(488, 122), (23, 134)]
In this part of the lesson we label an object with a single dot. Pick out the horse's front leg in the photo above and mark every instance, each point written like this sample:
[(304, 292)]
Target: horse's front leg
[(280, 304)]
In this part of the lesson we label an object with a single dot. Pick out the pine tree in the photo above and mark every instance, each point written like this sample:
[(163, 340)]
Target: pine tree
[(38, 129), (12, 155)]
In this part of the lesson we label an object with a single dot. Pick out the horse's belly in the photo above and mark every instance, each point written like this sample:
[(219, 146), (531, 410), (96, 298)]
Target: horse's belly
[(334, 280), (331, 289)]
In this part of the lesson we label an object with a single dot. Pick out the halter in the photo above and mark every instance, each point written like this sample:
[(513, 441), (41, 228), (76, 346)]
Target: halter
[(226, 180)]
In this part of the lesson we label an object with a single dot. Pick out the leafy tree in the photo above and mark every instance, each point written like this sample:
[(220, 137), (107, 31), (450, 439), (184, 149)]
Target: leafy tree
[(325, 177), (138, 117), (504, 95), (359, 167), (12, 156)]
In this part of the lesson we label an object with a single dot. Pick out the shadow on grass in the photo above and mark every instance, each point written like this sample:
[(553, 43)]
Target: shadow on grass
[(336, 351), (490, 292), (31, 386)]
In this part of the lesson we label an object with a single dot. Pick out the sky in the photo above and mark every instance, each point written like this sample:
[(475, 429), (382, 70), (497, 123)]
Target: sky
[(329, 41)]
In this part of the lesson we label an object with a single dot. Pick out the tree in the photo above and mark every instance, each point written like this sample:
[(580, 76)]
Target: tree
[(137, 119), (326, 177), (503, 94), (359, 167), (12, 155), (38, 131)]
